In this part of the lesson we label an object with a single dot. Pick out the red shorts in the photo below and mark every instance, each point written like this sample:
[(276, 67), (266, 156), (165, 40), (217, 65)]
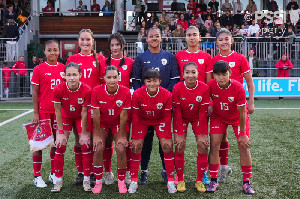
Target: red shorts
[(69, 123), (195, 126), (6, 83), (163, 130), (219, 127), (113, 129)]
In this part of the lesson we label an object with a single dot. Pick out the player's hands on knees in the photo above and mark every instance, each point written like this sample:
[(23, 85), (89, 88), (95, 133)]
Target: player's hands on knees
[(61, 139), (179, 143), (209, 110), (123, 141), (85, 138), (35, 118), (97, 143), (245, 140), (203, 139)]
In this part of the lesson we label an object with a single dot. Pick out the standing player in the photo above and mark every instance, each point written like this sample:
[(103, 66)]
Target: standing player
[(152, 106), (229, 108), (191, 98), (165, 63), (124, 64), (45, 77), (71, 100), (6, 73), (194, 54), (89, 63), (110, 103), (240, 69)]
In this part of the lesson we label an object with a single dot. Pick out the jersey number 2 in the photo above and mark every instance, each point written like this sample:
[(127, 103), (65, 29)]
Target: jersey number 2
[(54, 82)]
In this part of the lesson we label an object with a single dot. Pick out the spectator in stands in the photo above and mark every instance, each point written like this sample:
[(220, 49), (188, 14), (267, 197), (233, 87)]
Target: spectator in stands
[(9, 14), (186, 15), (101, 51), (289, 24), (166, 38), (21, 74), (193, 21), (172, 26), (164, 20), (202, 29), (2, 9), (202, 5), (293, 5), (112, 4), (95, 8), (17, 6), (237, 9), (184, 23), (253, 63), (179, 32), (215, 29), (214, 6), (142, 35), (143, 25), (41, 60), (49, 8), (291, 35), (284, 65), (208, 44), (107, 8), (33, 63), (6, 73), (12, 30), (251, 7), (267, 35), (239, 38), (280, 33), (208, 22), (191, 7), (234, 30), (272, 6), (21, 27), (152, 20), (226, 6), (243, 30), (254, 28), (227, 20), (176, 17)]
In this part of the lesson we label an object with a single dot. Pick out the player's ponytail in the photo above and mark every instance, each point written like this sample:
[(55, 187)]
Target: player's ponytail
[(119, 37), (96, 58)]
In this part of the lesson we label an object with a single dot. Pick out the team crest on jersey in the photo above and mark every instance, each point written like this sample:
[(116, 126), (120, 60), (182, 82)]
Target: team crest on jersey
[(164, 62), (159, 105), (62, 74), (94, 64), (124, 67), (80, 101), (119, 103), (201, 61), (230, 99), (231, 64), (199, 98)]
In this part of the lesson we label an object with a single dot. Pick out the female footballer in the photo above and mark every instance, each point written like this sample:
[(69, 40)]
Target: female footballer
[(110, 103), (45, 77), (71, 101)]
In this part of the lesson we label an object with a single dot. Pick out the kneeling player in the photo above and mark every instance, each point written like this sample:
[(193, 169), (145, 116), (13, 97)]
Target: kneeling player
[(191, 98), (110, 103), (71, 101), (151, 107), (229, 105)]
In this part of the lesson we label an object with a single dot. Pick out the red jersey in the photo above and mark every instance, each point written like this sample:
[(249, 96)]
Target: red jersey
[(184, 24), (201, 58), (227, 100), (87, 63), (151, 109), (237, 62), (49, 9), (125, 70), (20, 65), (95, 8), (47, 76), (72, 101), (111, 105), (6, 73)]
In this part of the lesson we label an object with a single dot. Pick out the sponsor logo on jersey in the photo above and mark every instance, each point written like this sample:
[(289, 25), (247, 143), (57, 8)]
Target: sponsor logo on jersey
[(215, 127), (80, 101), (215, 95), (143, 105), (94, 64), (140, 132), (47, 73), (164, 62), (230, 99), (119, 103), (65, 98), (231, 64), (199, 98), (146, 62), (182, 98), (101, 102), (159, 105), (124, 67), (201, 61), (184, 60)]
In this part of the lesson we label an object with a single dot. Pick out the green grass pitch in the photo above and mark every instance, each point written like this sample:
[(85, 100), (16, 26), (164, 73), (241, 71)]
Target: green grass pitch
[(275, 137)]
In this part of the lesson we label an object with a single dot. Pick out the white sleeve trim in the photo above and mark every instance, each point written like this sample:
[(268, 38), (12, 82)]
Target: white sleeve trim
[(247, 71), (127, 108), (95, 107), (167, 109), (175, 77), (205, 103), (135, 107), (242, 105), (34, 83), (56, 102), (209, 71)]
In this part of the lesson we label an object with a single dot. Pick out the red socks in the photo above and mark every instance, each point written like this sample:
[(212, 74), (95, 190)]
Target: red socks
[(169, 163), (247, 171), (37, 165), (179, 164), (107, 156), (223, 153), (121, 174), (128, 152), (59, 161), (202, 163), (213, 170), (98, 171), (52, 155), (78, 159), (86, 159), (134, 166)]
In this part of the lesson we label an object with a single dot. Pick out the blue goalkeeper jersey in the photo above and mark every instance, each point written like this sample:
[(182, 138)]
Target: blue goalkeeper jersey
[(163, 61)]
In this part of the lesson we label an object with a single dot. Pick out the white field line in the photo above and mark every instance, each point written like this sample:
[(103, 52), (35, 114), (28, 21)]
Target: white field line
[(14, 109), (17, 117)]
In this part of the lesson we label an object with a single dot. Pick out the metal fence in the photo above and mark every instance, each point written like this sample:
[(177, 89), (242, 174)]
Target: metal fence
[(268, 53), (8, 50), (14, 86)]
